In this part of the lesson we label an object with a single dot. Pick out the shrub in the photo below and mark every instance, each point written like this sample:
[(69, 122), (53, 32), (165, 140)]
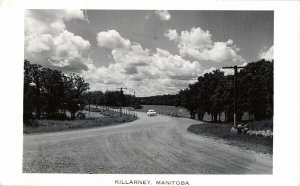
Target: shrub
[(81, 115), (58, 116)]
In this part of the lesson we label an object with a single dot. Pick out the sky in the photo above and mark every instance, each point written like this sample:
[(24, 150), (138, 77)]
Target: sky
[(150, 52)]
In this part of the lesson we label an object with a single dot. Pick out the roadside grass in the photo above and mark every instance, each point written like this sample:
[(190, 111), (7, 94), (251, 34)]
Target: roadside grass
[(256, 143), (111, 118), (261, 125)]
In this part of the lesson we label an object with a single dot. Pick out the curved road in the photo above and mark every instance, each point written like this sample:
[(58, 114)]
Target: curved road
[(150, 145)]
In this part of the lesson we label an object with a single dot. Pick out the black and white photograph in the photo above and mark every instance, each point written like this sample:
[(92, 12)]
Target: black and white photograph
[(148, 92)]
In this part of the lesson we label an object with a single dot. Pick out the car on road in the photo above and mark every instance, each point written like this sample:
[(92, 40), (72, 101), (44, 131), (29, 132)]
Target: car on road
[(151, 112)]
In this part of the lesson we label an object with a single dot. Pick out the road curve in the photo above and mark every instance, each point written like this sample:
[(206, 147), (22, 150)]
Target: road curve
[(149, 145)]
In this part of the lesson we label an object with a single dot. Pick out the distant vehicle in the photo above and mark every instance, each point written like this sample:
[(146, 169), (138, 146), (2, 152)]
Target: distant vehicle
[(151, 113)]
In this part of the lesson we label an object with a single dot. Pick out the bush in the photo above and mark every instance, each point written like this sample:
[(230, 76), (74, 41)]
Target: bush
[(58, 116), (31, 123), (81, 115)]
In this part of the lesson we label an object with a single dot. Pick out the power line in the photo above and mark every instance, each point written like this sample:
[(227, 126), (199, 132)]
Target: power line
[(121, 89)]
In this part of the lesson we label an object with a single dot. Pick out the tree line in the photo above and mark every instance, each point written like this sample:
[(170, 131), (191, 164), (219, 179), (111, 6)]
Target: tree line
[(50, 93), (213, 93), (159, 100), (110, 98)]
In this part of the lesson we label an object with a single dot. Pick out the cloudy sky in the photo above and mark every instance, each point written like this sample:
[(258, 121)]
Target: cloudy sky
[(149, 52)]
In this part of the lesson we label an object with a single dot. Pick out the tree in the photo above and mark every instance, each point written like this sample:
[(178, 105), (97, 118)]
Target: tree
[(74, 86), (256, 89), (52, 91), (48, 92), (187, 102), (29, 91), (228, 86), (213, 93), (213, 89)]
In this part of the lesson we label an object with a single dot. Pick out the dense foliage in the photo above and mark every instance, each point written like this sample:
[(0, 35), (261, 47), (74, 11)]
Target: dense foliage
[(213, 93), (49, 93), (170, 100), (110, 98)]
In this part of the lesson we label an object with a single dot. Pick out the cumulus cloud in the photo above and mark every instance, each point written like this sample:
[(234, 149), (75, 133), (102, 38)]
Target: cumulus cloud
[(49, 43), (175, 66), (172, 35), (111, 40), (197, 43), (266, 54), (164, 15), (49, 21), (227, 71), (147, 72), (209, 70)]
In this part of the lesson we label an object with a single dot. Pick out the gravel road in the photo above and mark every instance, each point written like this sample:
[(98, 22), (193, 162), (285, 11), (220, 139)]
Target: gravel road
[(149, 145)]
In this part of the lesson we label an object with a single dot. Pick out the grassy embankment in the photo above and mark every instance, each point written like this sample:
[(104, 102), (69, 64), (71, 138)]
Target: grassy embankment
[(252, 142), (110, 118)]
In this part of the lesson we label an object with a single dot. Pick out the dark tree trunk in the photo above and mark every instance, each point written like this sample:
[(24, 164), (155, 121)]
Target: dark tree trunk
[(192, 113), (200, 116), (72, 115), (38, 104), (215, 117)]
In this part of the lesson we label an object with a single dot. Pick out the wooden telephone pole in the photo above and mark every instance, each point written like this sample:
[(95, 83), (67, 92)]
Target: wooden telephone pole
[(121, 91), (235, 93)]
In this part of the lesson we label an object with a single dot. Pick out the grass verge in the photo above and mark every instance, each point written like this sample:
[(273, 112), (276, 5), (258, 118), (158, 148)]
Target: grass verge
[(256, 143), (57, 125)]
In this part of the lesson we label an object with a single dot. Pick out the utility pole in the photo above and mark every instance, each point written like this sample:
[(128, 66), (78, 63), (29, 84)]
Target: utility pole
[(121, 91), (235, 93)]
